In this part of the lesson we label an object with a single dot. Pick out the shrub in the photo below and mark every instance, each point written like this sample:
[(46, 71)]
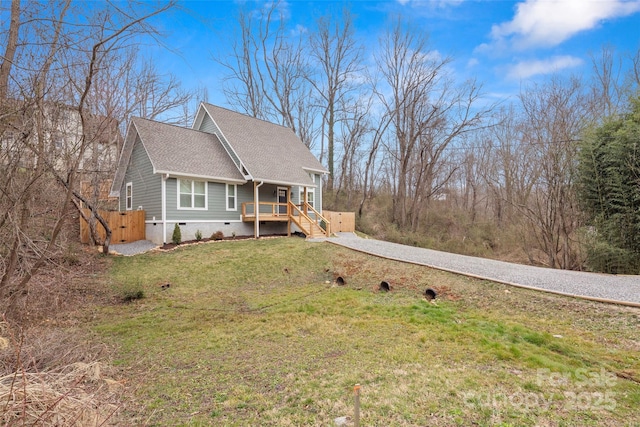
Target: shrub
[(177, 235), (607, 258), (218, 235), (198, 235), (130, 291), (132, 294)]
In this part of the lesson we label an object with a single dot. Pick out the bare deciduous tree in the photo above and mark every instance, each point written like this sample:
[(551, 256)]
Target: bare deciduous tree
[(379, 133), (555, 115), (608, 84), (356, 125), (57, 67), (267, 72), (10, 49), (428, 112), (334, 49)]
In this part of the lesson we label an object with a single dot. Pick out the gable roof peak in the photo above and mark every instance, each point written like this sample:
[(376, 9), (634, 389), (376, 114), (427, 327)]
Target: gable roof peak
[(271, 152), (177, 151)]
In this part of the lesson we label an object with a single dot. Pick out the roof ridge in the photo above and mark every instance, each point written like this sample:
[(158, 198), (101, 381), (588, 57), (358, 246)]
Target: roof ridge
[(247, 116), (166, 124)]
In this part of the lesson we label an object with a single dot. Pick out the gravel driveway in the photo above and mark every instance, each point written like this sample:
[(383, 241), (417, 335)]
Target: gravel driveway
[(593, 286)]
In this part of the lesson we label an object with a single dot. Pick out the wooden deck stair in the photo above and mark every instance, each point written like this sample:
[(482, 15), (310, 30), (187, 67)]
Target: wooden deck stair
[(308, 220), (318, 226), (309, 226)]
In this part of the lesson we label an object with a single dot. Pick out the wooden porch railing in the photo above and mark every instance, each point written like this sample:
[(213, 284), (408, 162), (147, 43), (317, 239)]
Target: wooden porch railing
[(268, 211), (309, 220), (309, 226), (320, 219)]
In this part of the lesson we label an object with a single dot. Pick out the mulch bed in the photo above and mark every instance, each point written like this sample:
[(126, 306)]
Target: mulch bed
[(170, 246)]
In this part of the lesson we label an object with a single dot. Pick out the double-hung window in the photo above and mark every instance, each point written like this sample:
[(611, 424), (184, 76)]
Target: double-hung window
[(232, 190), (310, 196), (192, 194)]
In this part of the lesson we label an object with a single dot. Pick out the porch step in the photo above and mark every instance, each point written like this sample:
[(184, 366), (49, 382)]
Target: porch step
[(310, 229), (308, 226)]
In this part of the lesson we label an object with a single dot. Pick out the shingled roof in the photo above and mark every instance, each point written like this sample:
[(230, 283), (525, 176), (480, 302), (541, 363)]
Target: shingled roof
[(178, 151), (269, 152)]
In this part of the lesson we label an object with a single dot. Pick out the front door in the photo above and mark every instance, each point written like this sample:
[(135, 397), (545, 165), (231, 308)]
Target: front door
[(282, 200)]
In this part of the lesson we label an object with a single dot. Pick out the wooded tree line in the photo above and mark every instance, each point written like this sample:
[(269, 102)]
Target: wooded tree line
[(414, 151), (402, 129), (70, 74)]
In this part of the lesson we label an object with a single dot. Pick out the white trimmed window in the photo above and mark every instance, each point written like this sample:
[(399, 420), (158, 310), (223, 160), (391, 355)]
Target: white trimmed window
[(232, 191), (192, 194), (129, 196), (311, 196)]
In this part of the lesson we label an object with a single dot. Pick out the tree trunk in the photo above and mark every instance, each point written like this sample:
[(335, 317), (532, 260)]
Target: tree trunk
[(10, 50)]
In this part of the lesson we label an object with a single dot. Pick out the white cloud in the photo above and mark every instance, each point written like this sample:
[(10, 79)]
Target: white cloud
[(526, 69), (433, 56), (550, 22), (279, 10), (299, 29)]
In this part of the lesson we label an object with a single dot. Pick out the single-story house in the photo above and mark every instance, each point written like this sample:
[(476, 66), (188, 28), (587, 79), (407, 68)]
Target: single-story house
[(213, 176)]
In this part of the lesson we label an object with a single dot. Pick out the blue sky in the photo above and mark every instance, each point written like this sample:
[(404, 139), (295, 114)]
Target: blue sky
[(503, 44)]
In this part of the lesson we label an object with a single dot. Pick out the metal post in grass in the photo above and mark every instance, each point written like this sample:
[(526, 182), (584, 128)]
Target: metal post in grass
[(356, 412)]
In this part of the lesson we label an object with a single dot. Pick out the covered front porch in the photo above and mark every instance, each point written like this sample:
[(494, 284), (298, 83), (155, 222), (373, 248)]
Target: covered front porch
[(304, 216), (307, 219)]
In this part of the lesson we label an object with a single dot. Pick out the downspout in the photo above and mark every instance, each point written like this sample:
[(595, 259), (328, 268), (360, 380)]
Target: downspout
[(256, 200), (164, 207)]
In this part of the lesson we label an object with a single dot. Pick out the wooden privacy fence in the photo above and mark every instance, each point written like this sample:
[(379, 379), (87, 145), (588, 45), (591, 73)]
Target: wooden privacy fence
[(125, 227), (341, 221)]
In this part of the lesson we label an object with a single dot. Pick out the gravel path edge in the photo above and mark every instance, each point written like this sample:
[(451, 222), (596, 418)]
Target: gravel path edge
[(343, 243)]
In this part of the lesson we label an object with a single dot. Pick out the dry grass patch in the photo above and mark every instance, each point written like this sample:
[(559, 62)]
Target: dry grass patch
[(77, 395), (52, 371)]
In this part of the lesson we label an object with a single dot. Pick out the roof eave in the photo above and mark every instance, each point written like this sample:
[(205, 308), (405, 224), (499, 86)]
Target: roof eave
[(207, 177), (285, 183), (322, 171)]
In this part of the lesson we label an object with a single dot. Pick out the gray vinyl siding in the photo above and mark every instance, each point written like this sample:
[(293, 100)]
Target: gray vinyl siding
[(209, 126), (216, 203), (146, 186), (268, 193), (295, 195), (245, 194), (317, 179)]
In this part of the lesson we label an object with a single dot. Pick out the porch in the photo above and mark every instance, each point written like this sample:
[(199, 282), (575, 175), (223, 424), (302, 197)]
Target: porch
[(304, 216)]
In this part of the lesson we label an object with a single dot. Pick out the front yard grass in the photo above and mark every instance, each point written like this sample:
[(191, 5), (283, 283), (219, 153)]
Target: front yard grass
[(258, 333)]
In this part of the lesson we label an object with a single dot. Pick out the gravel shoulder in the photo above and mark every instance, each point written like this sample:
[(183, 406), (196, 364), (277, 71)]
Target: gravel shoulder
[(133, 248), (599, 287)]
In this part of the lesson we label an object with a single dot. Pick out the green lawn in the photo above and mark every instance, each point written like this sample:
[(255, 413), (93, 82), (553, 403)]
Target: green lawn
[(256, 333)]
